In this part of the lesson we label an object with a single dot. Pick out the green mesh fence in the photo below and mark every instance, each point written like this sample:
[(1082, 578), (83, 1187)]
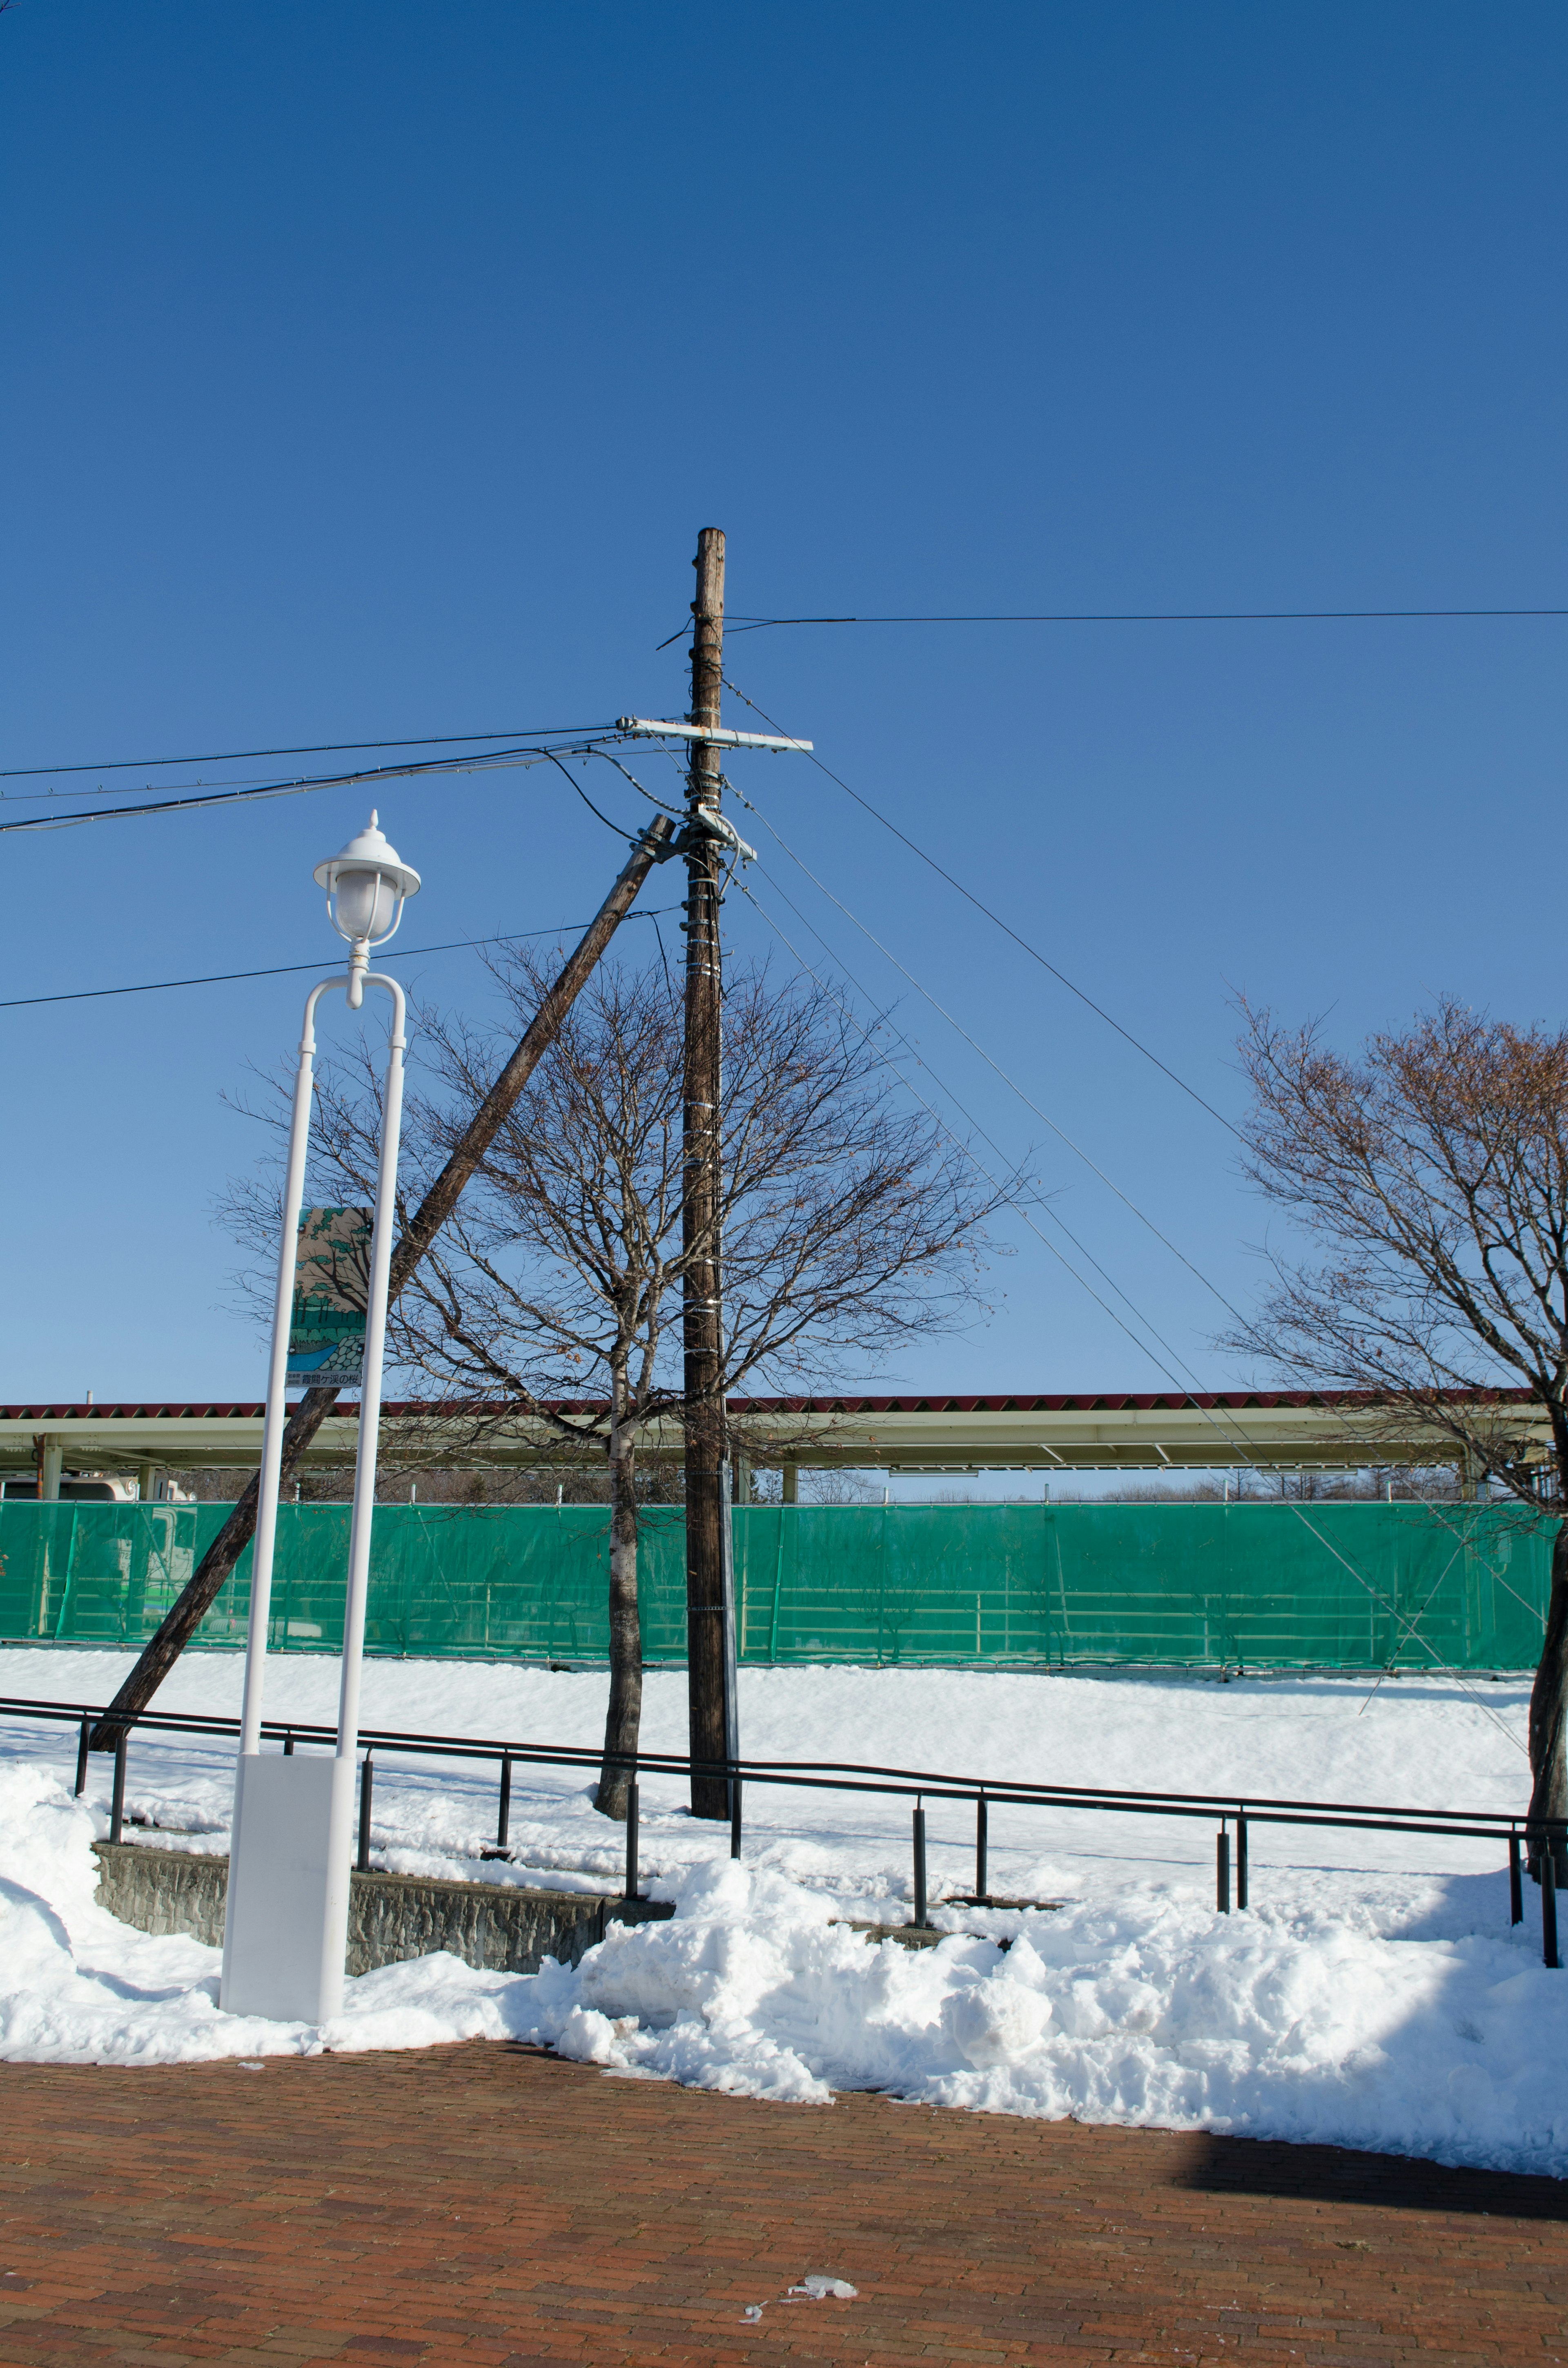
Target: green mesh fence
[(1355, 1586)]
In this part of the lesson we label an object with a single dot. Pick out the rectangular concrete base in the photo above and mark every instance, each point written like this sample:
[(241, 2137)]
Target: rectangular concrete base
[(283, 1945)]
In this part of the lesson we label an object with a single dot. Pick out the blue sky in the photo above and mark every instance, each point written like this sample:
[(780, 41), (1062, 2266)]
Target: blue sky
[(369, 370)]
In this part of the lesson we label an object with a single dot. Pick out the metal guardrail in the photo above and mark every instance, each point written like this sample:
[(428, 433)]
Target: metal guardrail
[(1547, 1837)]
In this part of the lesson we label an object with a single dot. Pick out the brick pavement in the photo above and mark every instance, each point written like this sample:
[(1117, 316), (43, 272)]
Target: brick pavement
[(486, 2204)]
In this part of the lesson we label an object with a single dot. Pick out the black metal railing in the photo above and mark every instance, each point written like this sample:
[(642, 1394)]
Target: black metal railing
[(1544, 1840)]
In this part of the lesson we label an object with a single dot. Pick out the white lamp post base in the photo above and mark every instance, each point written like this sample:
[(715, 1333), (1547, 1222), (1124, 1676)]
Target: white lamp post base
[(286, 1924)]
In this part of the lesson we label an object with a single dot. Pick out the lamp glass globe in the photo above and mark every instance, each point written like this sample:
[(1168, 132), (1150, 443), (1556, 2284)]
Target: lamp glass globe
[(366, 904)]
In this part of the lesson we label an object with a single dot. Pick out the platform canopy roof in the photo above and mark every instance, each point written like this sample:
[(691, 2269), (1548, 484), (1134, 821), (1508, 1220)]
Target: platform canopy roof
[(919, 1432)]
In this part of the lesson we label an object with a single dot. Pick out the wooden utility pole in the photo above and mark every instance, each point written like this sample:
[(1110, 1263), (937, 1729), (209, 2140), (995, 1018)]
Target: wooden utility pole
[(707, 1511)]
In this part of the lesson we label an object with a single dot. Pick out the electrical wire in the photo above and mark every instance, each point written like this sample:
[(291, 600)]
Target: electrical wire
[(1208, 1413), (1010, 1082), (663, 957), (1411, 1621), (674, 813), (1141, 617), (117, 790), (1033, 952), (305, 748), (287, 969), (1012, 1202), (629, 837), (737, 623), (1006, 1079), (965, 1113), (492, 760)]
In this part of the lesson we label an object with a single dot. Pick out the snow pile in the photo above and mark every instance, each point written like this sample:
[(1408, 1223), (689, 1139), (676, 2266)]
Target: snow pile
[(1444, 2038), (1152, 2009), (78, 1987)]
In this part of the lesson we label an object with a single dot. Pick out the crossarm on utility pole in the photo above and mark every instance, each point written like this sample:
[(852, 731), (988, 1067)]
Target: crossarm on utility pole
[(184, 1616)]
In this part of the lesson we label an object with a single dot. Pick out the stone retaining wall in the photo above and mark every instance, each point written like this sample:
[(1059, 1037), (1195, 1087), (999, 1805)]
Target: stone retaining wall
[(498, 1927)]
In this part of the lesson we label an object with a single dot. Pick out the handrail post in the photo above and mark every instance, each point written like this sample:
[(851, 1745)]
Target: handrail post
[(82, 1758), (1241, 1859), (735, 1813), (1549, 1905), (1515, 1880), (632, 1839), (367, 1787), (117, 1806), (920, 1864), (981, 1851), (504, 1818), (1222, 1870)]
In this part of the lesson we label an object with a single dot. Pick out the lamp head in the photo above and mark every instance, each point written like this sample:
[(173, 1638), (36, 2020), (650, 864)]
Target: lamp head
[(367, 886)]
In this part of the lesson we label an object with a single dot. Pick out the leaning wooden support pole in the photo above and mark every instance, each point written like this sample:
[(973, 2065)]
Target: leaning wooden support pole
[(196, 1599)]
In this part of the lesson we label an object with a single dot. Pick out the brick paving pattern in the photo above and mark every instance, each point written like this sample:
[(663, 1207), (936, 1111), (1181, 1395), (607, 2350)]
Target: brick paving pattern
[(490, 2204)]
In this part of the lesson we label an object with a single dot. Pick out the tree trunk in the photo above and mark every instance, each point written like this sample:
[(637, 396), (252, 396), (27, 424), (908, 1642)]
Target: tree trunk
[(623, 1719), (1549, 1710)]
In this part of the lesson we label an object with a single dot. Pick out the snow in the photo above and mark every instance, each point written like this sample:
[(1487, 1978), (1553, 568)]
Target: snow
[(1417, 1742), (78, 1987), (1373, 1995)]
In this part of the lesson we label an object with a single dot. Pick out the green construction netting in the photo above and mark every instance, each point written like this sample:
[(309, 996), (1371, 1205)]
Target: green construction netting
[(1261, 1586)]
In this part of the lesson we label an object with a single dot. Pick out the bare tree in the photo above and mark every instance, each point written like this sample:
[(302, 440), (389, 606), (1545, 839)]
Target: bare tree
[(850, 1226), (1433, 1173)]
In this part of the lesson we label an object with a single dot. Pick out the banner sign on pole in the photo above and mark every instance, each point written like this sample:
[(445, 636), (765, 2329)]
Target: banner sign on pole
[(326, 1327)]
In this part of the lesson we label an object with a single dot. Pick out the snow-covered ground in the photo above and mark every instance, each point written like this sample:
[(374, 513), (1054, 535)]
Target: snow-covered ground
[(1373, 1996)]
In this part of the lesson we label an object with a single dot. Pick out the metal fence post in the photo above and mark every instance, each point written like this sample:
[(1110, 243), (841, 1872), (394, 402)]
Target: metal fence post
[(1241, 1862), (1549, 1904), (82, 1758), (504, 1819), (735, 1817), (982, 1849), (1222, 1870), (367, 1786), (632, 1839), (1515, 1881), (289, 1743), (919, 1864), (117, 1807)]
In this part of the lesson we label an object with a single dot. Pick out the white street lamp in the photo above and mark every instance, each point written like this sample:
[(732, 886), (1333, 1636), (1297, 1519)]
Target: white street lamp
[(286, 1924), (367, 887)]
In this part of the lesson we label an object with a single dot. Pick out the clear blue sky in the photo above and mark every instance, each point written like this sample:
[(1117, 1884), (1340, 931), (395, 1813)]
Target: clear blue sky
[(369, 370)]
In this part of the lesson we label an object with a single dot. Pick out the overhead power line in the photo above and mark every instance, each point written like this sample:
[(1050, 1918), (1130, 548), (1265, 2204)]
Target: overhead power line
[(287, 969), (1142, 616), (1009, 1194), (1010, 1082), (490, 759), (304, 748), (1230, 1432), (995, 918)]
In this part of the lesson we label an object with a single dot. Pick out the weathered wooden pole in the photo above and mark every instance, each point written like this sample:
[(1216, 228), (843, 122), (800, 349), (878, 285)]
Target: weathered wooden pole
[(707, 1511)]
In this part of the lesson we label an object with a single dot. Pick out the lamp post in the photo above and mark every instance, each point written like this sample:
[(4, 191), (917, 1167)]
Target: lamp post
[(286, 1924)]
